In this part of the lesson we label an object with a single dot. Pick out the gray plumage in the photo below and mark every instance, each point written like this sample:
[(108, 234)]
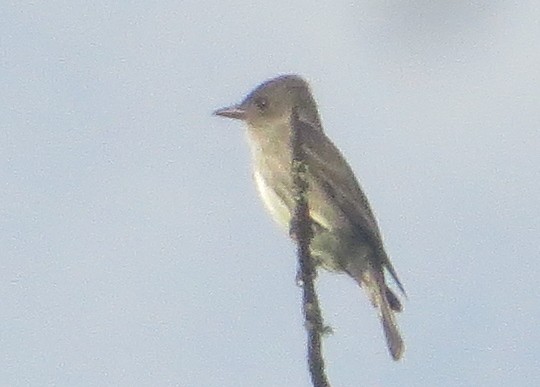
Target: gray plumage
[(346, 235)]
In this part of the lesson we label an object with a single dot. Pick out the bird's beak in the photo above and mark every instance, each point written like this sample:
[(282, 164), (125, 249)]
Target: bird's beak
[(236, 112)]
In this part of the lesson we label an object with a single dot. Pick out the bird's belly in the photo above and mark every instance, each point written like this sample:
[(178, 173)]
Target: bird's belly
[(271, 200), (331, 250)]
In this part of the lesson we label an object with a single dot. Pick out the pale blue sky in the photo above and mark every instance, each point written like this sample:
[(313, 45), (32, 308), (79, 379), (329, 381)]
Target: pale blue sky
[(135, 251)]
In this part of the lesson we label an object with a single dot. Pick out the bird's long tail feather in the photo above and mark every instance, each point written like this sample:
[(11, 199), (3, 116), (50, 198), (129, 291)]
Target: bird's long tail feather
[(387, 304)]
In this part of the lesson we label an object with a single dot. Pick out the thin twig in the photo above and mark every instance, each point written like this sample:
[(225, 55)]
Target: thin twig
[(302, 231)]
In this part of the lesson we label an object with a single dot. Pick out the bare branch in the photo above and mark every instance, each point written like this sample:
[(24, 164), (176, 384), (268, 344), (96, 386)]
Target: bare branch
[(302, 232)]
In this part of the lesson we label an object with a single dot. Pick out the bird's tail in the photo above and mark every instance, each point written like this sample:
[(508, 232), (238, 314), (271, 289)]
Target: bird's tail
[(387, 304)]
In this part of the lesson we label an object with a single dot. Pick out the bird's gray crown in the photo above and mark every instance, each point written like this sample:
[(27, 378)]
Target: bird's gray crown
[(287, 81)]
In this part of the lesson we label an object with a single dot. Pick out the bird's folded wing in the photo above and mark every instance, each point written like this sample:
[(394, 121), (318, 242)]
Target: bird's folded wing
[(336, 199)]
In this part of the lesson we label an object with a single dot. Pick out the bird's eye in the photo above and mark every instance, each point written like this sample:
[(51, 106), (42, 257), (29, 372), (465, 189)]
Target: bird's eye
[(261, 103)]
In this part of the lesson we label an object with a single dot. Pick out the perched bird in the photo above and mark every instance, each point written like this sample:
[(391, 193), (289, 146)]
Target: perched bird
[(346, 237)]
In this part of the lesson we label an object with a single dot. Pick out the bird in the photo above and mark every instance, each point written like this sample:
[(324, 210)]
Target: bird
[(346, 236)]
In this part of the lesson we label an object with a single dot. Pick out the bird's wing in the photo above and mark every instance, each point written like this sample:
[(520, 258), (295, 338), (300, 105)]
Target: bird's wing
[(334, 181), (337, 194)]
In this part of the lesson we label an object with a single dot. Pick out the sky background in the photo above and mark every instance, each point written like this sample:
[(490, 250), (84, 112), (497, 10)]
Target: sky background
[(134, 250)]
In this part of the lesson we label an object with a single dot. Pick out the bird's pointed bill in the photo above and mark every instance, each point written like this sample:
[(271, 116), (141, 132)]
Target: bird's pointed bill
[(235, 112)]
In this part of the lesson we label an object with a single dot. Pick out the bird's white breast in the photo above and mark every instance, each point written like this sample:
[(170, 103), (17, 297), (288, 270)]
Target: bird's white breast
[(273, 203)]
